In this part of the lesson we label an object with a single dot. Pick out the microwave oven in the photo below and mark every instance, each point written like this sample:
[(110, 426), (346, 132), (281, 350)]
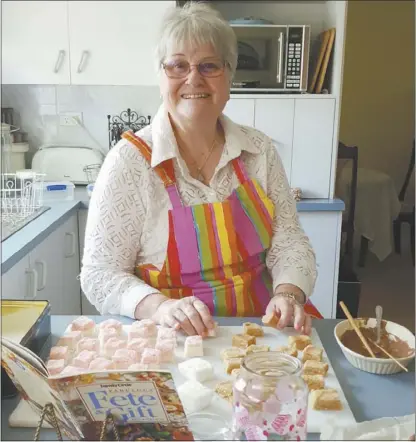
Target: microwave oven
[(272, 57)]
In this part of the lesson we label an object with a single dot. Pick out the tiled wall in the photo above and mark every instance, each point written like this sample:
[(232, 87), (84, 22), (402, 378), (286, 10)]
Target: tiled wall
[(37, 109)]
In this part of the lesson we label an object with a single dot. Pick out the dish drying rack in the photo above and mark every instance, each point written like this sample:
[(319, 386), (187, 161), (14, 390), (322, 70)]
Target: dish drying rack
[(91, 171), (21, 196)]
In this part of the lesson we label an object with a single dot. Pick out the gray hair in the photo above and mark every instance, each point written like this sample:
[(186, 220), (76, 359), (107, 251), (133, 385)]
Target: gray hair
[(198, 24)]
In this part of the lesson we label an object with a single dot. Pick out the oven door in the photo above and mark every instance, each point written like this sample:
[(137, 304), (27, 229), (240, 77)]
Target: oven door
[(261, 56)]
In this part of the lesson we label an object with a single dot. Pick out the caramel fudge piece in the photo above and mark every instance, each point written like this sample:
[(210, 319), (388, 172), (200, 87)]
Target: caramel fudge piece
[(270, 319), (235, 372), (300, 342), (243, 341), (234, 352), (257, 348), (314, 381), (231, 364), (315, 367), (291, 351), (325, 399), (225, 390), (311, 353), (253, 329)]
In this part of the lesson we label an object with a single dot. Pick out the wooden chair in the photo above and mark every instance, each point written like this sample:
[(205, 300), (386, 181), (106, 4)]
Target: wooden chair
[(349, 153), (405, 216)]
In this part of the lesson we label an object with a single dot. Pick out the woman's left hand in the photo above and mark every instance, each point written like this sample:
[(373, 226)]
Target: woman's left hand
[(289, 311)]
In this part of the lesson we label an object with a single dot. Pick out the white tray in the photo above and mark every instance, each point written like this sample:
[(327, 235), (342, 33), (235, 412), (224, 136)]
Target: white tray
[(22, 416)]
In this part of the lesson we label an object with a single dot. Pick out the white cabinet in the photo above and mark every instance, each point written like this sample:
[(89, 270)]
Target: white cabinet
[(71, 268), (35, 48), (86, 307), (275, 117), (49, 272), (313, 146), (324, 230), (241, 111), (66, 42), (112, 42), (18, 282)]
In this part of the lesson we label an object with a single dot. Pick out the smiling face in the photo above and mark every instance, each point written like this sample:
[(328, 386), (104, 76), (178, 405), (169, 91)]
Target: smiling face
[(194, 96)]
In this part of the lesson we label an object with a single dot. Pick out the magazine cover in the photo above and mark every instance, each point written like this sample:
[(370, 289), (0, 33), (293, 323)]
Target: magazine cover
[(145, 405)]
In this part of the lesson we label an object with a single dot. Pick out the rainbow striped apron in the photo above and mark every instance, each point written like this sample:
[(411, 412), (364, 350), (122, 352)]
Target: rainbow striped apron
[(216, 252)]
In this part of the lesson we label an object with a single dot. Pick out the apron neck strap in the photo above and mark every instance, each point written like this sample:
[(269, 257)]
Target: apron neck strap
[(240, 170), (164, 170)]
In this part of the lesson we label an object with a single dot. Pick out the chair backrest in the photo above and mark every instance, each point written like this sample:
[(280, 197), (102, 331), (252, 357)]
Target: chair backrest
[(350, 153), (408, 174)]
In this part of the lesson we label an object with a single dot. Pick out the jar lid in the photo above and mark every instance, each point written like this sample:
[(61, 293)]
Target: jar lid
[(209, 426)]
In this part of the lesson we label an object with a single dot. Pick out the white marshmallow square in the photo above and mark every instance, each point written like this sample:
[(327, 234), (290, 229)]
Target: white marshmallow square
[(196, 369), (194, 396), (193, 347)]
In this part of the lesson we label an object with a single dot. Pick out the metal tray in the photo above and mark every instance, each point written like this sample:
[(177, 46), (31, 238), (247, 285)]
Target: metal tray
[(29, 324)]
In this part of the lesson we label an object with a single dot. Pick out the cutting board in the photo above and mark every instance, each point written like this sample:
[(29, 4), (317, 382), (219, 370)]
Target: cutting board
[(24, 416)]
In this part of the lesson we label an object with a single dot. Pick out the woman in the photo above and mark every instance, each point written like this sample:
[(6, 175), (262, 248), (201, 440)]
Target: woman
[(193, 216)]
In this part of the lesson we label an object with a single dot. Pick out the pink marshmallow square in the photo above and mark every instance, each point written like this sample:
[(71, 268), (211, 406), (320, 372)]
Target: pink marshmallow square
[(112, 345), (166, 333), (145, 324), (136, 367), (71, 370), (138, 345), (70, 340), (90, 344), (59, 353), (150, 356), (123, 358), (84, 325), (101, 364), (84, 359), (111, 323), (55, 366), (167, 349)]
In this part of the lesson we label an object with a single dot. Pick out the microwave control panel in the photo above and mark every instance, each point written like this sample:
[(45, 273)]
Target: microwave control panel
[(294, 57)]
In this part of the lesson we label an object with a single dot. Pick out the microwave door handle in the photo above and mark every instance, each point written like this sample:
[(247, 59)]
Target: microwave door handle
[(280, 60)]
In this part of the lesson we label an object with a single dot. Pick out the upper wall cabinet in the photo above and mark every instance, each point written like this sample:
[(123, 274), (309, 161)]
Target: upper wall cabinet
[(35, 48), (66, 42), (114, 43)]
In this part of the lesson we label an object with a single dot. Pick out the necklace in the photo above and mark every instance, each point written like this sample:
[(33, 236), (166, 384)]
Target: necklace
[(199, 169)]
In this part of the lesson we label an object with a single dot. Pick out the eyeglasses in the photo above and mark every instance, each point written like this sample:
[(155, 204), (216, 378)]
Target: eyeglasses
[(181, 68)]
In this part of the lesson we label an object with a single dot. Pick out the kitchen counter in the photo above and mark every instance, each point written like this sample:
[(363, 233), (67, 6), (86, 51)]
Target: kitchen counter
[(370, 396), (22, 242)]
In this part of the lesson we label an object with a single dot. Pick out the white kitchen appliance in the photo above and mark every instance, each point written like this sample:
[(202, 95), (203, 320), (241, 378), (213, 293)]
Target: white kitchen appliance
[(66, 163)]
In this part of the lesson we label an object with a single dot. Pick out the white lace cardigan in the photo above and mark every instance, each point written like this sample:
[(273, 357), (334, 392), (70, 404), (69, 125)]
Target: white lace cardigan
[(128, 224)]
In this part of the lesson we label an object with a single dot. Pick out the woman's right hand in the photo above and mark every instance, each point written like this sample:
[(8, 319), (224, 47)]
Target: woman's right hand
[(189, 314)]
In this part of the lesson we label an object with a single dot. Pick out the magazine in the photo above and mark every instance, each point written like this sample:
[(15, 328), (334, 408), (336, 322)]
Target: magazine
[(144, 404)]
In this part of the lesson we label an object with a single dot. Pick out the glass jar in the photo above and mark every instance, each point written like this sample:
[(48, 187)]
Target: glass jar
[(270, 399)]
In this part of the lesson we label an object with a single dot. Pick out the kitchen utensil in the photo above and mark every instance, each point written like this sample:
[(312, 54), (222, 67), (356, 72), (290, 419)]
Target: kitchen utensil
[(324, 44), (379, 315), (325, 61), (356, 329), (389, 355)]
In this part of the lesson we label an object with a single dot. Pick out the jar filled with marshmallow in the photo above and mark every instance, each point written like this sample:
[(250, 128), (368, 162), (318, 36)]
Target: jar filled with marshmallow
[(270, 398)]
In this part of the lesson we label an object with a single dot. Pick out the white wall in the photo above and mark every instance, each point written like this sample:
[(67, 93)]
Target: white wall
[(37, 108)]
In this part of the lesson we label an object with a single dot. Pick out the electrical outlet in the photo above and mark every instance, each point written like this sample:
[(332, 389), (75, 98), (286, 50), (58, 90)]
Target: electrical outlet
[(70, 118)]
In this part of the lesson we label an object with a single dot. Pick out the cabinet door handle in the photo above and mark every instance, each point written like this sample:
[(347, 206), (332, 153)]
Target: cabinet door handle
[(42, 263), (84, 57), (34, 286), (72, 252), (59, 61)]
